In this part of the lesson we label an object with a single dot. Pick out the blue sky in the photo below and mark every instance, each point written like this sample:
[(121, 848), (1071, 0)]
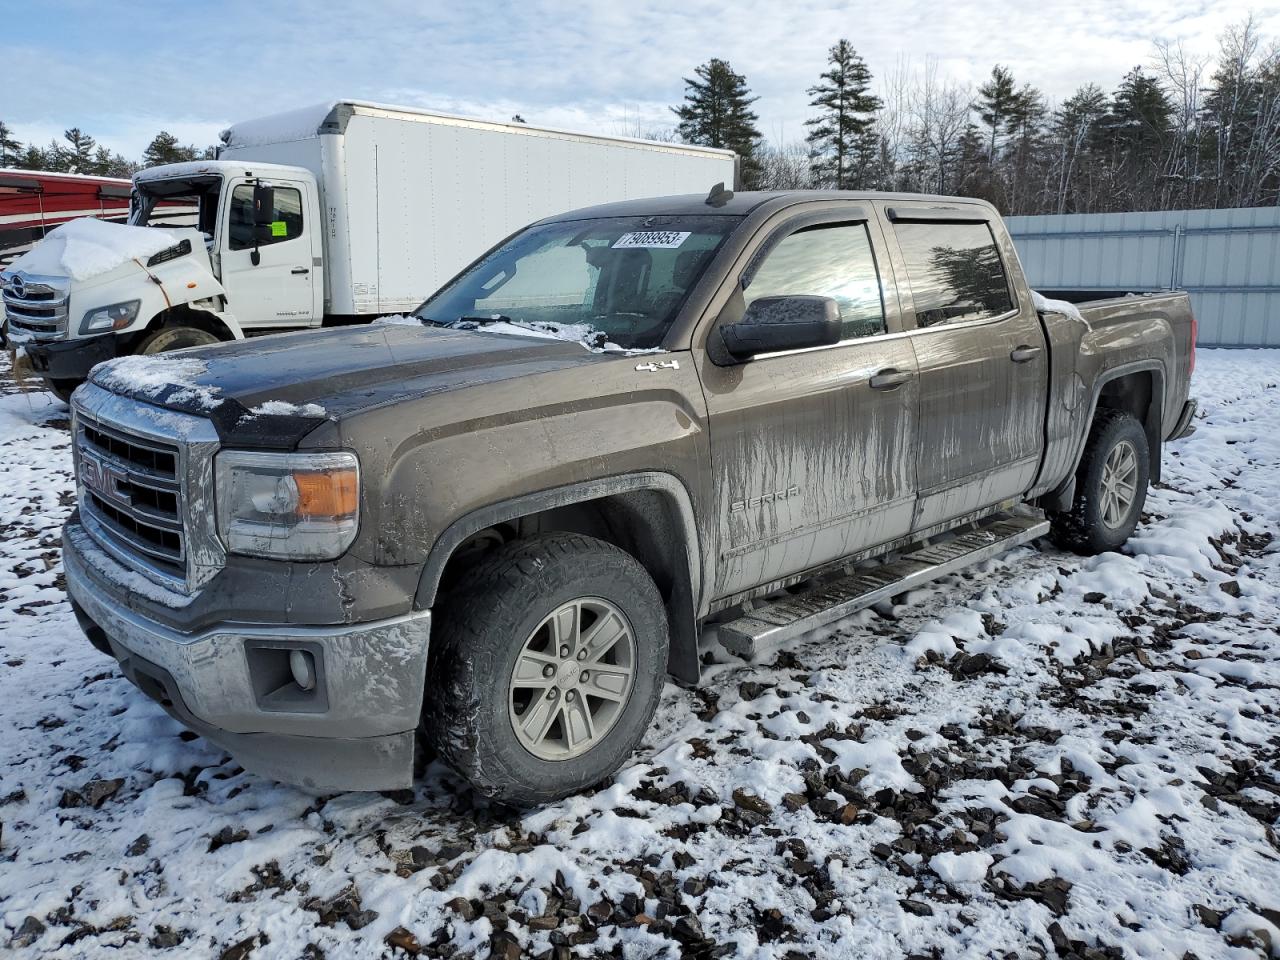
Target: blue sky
[(123, 70)]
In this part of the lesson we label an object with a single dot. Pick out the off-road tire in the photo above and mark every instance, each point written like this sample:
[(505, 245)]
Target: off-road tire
[(1082, 529), (477, 635), (175, 338)]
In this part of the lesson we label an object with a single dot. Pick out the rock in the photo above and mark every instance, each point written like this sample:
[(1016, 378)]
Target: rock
[(504, 946), (1094, 597), (28, 933), (227, 836), (164, 937), (546, 922), (463, 908), (794, 801), (918, 907), (1210, 918), (402, 939), (750, 690), (243, 949), (92, 794), (694, 887), (751, 803), (1230, 587), (688, 930), (139, 846)]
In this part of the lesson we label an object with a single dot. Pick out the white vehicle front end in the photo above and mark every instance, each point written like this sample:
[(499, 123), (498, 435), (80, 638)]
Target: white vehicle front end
[(92, 290)]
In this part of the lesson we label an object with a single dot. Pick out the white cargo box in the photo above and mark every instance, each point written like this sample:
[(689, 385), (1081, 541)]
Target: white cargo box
[(410, 197)]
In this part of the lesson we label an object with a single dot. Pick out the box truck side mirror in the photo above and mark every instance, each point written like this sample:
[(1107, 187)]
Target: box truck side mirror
[(264, 206)]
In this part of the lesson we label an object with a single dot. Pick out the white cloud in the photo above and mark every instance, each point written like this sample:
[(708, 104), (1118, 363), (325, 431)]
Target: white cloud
[(605, 67)]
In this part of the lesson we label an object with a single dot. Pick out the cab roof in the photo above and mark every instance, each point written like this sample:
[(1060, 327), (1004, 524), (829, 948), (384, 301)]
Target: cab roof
[(740, 204)]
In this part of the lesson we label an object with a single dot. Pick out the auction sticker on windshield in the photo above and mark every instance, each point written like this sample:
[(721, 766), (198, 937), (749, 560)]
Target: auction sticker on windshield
[(652, 238)]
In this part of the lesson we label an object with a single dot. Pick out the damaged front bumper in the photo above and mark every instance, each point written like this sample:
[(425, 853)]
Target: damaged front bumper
[(233, 683)]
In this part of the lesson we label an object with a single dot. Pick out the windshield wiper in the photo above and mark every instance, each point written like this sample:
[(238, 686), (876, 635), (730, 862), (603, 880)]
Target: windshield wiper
[(491, 318)]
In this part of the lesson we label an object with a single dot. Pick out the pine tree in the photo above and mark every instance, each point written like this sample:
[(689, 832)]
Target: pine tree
[(10, 149), (165, 148), (998, 101), (79, 151), (31, 158), (717, 113), (1140, 117), (841, 136)]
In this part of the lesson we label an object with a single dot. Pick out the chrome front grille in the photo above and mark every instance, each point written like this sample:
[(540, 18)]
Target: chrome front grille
[(145, 480), (133, 487), (36, 307)]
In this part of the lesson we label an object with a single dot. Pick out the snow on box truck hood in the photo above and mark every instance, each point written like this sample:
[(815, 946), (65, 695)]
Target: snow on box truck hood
[(87, 248), (270, 392)]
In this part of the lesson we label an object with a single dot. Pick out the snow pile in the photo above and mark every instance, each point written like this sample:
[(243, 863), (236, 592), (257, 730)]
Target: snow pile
[(582, 333), (279, 408), (1045, 305), (150, 376), (86, 248), (1045, 755)]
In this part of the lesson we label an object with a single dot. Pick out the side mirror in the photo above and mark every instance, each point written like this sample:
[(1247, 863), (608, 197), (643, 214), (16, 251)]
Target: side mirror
[(264, 204), (773, 324)]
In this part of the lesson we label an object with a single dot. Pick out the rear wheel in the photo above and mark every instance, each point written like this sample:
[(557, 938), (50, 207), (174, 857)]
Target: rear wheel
[(175, 338), (1111, 486), (546, 668)]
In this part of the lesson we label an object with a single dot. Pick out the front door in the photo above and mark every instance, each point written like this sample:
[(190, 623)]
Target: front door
[(813, 450), (983, 366), (277, 291)]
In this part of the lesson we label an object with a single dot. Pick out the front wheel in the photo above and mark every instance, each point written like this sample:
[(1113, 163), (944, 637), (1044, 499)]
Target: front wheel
[(61, 388), (175, 338), (1111, 486), (546, 668)]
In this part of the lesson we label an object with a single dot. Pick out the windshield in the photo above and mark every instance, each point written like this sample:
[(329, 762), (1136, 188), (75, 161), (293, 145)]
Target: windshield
[(177, 203), (622, 277)]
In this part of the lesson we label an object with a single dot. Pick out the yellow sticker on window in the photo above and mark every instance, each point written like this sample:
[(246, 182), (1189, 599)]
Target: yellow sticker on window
[(279, 228)]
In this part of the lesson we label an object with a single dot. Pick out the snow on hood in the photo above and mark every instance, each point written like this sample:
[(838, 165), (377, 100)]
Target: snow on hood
[(580, 333), (150, 376), (86, 248)]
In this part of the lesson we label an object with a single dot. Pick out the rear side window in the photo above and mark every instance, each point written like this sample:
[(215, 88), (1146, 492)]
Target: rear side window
[(955, 272), (835, 262), (286, 217)]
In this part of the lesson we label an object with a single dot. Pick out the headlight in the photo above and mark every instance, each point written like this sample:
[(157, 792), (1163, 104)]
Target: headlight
[(295, 506), (115, 317)]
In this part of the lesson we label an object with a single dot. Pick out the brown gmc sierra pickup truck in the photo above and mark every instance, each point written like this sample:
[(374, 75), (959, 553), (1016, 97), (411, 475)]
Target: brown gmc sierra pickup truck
[(331, 551)]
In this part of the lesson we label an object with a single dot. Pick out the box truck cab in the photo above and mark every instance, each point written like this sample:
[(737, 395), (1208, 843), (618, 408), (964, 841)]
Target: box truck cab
[(335, 213)]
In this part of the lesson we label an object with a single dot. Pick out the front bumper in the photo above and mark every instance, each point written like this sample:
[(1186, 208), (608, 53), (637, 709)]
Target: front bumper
[(356, 730), (67, 359)]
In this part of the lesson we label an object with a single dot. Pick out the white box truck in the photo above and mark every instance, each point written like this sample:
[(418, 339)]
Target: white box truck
[(334, 213)]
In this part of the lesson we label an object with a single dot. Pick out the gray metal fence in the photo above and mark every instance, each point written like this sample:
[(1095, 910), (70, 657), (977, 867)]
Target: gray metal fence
[(1228, 260)]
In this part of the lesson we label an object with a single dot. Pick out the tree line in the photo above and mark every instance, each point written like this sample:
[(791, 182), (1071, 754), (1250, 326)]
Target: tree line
[(1184, 132), (78, 152)]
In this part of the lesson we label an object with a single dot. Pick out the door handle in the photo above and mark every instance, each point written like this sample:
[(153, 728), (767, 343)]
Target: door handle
[(300, 270), (1024, 354), (889, 379)]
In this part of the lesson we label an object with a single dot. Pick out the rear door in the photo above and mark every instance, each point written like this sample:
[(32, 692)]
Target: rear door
[(982, 360), (812, 451)]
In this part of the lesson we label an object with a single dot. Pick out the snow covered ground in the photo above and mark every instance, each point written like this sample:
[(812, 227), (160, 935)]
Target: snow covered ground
[(1046, 755)]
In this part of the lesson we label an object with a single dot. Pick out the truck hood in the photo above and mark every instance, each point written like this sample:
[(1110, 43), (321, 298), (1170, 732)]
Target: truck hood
[(271, 391)]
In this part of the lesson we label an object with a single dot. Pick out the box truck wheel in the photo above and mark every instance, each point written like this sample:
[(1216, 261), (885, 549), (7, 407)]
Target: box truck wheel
[(546, 667), (175, 338), (62, 389)]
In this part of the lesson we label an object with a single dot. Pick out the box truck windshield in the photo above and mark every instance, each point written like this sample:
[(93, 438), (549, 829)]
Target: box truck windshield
[(177, 203), (624, 277)]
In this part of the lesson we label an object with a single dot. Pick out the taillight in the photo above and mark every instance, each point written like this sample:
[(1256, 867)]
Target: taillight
[(1194, 326)]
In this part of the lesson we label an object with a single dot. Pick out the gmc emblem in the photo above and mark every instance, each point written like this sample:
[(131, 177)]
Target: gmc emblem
[(104, 479)]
